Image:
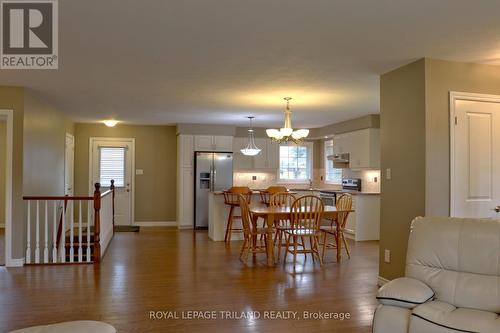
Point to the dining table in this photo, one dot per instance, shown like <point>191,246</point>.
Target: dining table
<point>271,214</point>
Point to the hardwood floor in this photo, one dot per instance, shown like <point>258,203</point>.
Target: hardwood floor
<point>161,269</point>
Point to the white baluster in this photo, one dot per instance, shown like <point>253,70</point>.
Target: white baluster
<point>46,245</point>
<point>80,254</point>
<point>28,235</point>
<point>88,230</point>
<point>71,232</point>
<point>63,233</point>
<point>54,234</point>
<point>37,243</point>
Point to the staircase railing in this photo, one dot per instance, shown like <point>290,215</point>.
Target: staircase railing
<point>69,229</point>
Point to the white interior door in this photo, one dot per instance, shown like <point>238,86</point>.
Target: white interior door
<point>69,164</point>
<point>476,159</point>
<point>113,159</point>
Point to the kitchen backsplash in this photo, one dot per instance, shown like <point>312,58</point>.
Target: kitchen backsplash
<point>259,179</point>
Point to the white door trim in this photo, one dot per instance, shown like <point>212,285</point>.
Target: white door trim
<point>9,261</point>
<point>464,96</point>
<point>132,175</point>
<point>65,147</point>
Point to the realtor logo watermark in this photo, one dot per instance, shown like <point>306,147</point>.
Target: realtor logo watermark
<point>29,34</point>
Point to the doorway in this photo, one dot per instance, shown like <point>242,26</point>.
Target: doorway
<point>69,162</point>
<point>114,158</point>
<point>3,168</point>
<point>475,155</point>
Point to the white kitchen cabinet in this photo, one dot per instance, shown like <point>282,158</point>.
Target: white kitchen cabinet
<point>273,154</point>
<point>223,143</point>
<point>185,199</point>
<point>363,147</point>
<point>240,161</point>
<point>260,160</point>
<point>213,143</point>
<point>364,223</point>
<point>185,151</point>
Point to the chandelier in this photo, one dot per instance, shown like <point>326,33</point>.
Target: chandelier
<point>251,149</point>
<point>287,133</point>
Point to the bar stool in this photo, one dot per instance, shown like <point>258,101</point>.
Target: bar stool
<point>231,198</point>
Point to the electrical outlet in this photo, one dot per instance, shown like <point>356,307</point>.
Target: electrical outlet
<point>375,179</point>
<point>387,256</point>
<point>388,174</point>
<point>254,177</point>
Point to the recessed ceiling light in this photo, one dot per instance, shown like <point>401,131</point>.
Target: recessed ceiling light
<point>110,123</point>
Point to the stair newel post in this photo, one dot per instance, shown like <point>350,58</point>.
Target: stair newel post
<point>97,222</point>
<point>112,188</point>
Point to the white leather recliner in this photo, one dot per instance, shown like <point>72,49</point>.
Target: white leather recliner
<point>452,281</point>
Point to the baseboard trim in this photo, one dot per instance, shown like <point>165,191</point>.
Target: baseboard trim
<point>381,281</point>
<point>14,262</point>
<point>185,227</point>
<point>156,224</point>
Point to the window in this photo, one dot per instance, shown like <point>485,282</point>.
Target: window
<point>332,175</point>
<point>295,162</point>
<point>112,166</point>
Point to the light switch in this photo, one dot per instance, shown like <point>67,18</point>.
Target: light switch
<point>387,256</point>
<point>139,171</point>
<point>388,174</point>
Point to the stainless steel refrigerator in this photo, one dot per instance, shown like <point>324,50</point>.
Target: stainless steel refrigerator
<point>213,172</point>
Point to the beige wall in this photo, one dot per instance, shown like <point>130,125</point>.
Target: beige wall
<point>441,78</point>
<point>44,141</point>
<point>155,153</point>
<point>12,98</point>
<point>402,134</point>
<point>3,146</point>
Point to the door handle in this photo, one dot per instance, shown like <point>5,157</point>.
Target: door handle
<point>497,209</point>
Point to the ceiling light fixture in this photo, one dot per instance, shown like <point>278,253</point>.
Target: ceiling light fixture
<point>110,123</point>
<point>251,149</point>
<point>287,133</point>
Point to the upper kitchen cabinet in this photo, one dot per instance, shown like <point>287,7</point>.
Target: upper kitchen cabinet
<point>213,143</point>
<point>268,158</point>
<point>363,147</point>
<point>185,151</point>
<point>240,161</point>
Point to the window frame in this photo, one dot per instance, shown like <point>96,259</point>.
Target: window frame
<point>310,157</point>
<point>125,151</point>
<point>326,163</point>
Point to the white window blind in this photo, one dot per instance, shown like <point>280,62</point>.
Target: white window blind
<point>332,175</point>
<point>295,162</point>
<point>112,166</point>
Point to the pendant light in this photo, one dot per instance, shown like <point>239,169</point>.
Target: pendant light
<point>287,133</point>
<point>251,149</point>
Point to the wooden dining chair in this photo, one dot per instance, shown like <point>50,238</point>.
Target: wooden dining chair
<point>250,231</point>
<point>305,216</point>
<point>281,199</point>
<point>231,198</point>
<point>265,195</point>
<point>337,228</point>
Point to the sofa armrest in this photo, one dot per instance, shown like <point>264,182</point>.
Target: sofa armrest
<point>405,293</point>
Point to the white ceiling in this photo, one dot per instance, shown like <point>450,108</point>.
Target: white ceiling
<point>217,61</point>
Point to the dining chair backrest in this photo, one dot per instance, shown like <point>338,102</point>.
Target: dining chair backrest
<point>246,216</point>
<point>306,213</point>
<point>282,199</point>
<point>344,204</point>
<point>231,196</point>
<point>265,195</point>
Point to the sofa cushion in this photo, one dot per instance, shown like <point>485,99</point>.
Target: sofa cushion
<point>459,259</point>
<point>81,326</point>
<point>391,319</point>
<point>404,292</point>
<point>448,318</point>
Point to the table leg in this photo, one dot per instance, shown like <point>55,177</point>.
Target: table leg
<point>338,240</point>
<point>269,240</point>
